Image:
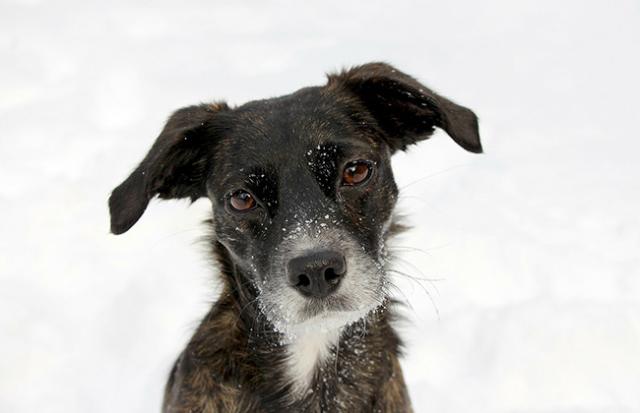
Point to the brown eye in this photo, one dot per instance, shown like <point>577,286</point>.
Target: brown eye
<point>242,201</point>
<point>356,172</point>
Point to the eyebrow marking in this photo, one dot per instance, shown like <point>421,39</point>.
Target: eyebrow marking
<point>263,182</point>
<point>322,162</point>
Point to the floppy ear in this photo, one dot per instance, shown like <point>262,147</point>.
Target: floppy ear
<point>175,166</point>
<point>406,110</point>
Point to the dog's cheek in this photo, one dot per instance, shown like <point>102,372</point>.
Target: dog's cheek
<point>388,198</point>
<point>252,242</point>
<point>233,234</point>
<point>369,213</point>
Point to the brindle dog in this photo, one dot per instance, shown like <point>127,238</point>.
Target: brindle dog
<point>302,194</point>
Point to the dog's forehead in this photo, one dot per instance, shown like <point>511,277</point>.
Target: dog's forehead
<point>289,125</point>
<point>299,138</point>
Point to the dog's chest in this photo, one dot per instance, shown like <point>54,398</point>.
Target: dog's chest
<point>305,353</point>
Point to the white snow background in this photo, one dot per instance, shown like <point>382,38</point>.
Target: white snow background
<point>534,244</point>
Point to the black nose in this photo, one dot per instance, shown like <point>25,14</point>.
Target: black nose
<point>317,274</point>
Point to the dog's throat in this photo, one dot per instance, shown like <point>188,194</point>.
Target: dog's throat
<point>305,353</point>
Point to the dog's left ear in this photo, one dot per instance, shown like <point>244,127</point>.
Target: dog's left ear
<point>175,166</point>
<point>406,110</point>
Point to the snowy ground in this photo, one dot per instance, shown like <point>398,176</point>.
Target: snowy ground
<point>535,244</point>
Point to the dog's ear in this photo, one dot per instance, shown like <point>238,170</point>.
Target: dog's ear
<point>175,166</point>
<point>406,110</point>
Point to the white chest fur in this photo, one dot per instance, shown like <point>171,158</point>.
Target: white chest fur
<point>307,351</point>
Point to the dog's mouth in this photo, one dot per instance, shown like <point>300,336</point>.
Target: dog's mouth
<point>332,316</point>
<point>335,311</point>
<point>293,313</point>
<point>319,307</point>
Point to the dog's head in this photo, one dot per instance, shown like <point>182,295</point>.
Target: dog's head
<point>301,185</point>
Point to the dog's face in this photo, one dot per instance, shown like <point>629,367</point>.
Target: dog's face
<point>302,197</point>
<point>301,186</point>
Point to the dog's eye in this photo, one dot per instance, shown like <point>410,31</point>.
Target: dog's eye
<point>242,201</point>
<point>356,172</point>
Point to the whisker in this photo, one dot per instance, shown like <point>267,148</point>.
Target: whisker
<point>406,299</point>
<point>432,175</point>
<point>406,248</point>
<point>433,303</point>
<point>247,305</point>
<point>411,266</point>
<point>403,196</point>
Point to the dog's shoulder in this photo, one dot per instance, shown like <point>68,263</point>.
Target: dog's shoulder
<point>205,377</point>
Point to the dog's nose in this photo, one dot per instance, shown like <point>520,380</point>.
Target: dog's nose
<point>317,274</point>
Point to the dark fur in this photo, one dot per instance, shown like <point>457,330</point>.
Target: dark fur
<point>235,362</point>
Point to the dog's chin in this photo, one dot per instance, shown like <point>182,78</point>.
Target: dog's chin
<point>326,318</point>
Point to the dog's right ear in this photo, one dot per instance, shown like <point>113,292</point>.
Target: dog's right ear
<point>175,166</point>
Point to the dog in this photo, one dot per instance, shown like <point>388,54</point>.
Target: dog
<point>303,195</point>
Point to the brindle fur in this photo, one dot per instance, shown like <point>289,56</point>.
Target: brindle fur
<point>237,360</point>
